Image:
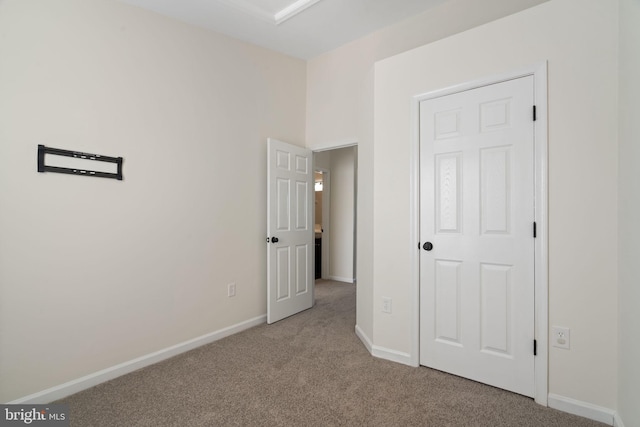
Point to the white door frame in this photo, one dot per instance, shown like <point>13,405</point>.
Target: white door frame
<point>539,73</point>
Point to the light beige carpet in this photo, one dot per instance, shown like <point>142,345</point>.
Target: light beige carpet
<point>307,370</point>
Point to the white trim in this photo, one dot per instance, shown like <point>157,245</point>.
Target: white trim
<point>582,409</point>
<point>364,338</point>
<point>91,380</point>
<point>335,145</point>
<point>539,73</point>
<point>392,355</point>
<point>541,361</point>
<point>414,229</point>
<point>355,214</point>
<point>340,279</point>
<point>486,81</point>
<point>617,421</point>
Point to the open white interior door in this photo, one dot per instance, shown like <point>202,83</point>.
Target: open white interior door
<point>290,236</point>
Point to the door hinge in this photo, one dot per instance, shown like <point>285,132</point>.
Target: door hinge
<point>535,347</point>
<point>535,230</point>
<point>534,113</point>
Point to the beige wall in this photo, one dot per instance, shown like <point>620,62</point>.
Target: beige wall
<point>629,226</point>
<point>318,197</point>
<point>340,102</point>
<point>339,86</point>
<point>342,214</point>
<point>96,272</point>
<point>140,265</point>
<point>318,209</point>
<point>583,160</point>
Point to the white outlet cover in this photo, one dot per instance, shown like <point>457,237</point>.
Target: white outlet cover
<point>386,305</point>
<point>561,337</point>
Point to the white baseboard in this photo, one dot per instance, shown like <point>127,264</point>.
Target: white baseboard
<point>381,352</point>
<point>617,421</point>
<point>340,279</point>
<point>583,409</point>
<point>392,355</point>
<point>91,380</point>
<point>364,338</point>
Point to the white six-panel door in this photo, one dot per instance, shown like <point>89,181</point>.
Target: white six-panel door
<point>290,269</point>
<point>477,215</point>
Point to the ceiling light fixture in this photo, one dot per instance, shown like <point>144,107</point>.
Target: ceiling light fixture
<point>258,9</point>
<point>292,10</point>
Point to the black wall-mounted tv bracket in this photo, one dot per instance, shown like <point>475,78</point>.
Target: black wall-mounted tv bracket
<point>42,150</point>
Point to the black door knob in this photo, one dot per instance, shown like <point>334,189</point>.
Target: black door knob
<point>274,240</point>
<point>427,246</point>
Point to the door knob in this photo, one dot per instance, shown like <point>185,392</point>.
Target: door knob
<point>274,240</point>
<point>427,246</point>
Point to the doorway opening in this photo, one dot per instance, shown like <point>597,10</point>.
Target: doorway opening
<point>322,217</point>
<point>335,186</point>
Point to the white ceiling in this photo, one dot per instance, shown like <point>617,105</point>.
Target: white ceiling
<point>300,28</point>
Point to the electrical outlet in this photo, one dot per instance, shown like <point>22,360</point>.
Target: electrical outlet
<point>231,290</point>
<point>561,337</point>
<point>386,305</point>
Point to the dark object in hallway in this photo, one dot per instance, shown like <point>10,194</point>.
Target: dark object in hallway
<point>318,258</point>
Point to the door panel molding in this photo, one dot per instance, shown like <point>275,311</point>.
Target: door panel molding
<point>289,230</point>
<point>539,73</point>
